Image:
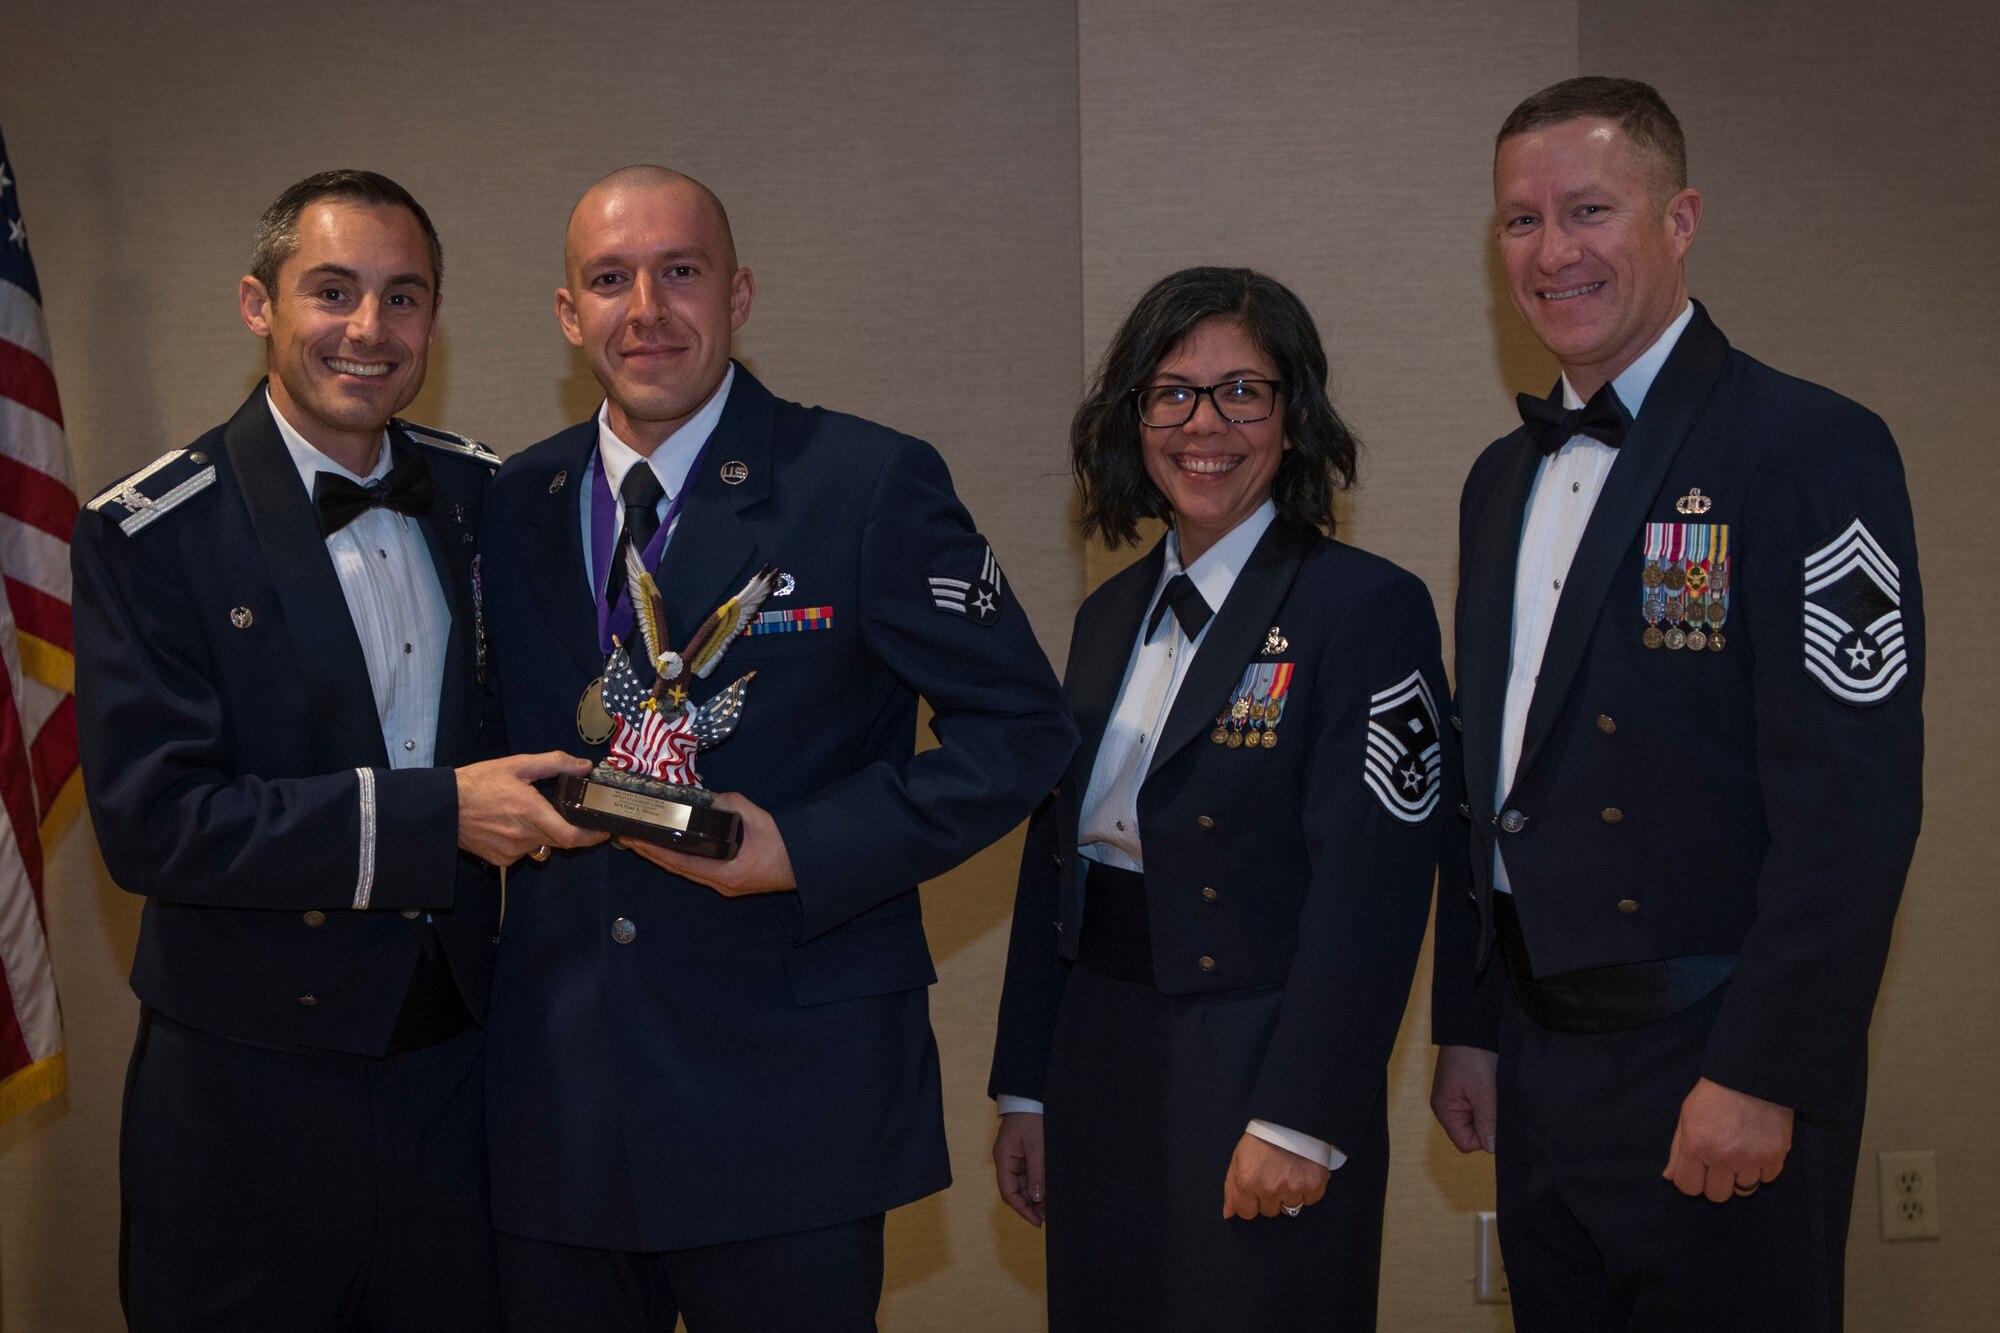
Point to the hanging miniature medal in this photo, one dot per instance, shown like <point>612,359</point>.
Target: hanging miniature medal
<point>1718,586</point>
<point>1697,585</point>
<point>1274,707</point>
<point>1652,597</point>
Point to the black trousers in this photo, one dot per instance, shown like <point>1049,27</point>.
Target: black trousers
<point>1146,1100</point>
<point>1595,1239</point>
<point>824,1281</point>
<point>306,1191</point>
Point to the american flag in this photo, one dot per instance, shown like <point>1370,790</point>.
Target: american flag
<point>40,785</point>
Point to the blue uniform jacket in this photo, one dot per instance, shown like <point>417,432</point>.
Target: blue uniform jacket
<point>761,1065</point>
<point>1281,867</point>
<point>224,710</point>
<point>1762,800</point>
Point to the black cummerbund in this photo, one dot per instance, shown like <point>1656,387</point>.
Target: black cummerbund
<point>1117,939</point>
<point>1603,999</point>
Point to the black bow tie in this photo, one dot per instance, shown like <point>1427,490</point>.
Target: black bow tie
<point>406,489</point>
<point>1187,603</point>
<point>1552,426</point>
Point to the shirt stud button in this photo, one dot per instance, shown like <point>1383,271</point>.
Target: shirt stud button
<point>406,648</point>
<point>409,745</point>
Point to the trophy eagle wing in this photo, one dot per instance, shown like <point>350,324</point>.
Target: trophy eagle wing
<point>712,640</point>
<point>649,613</point>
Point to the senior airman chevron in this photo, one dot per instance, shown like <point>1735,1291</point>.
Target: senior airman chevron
<point>978,598</point>
<point>1854,618</point>
<point>1404,761</point>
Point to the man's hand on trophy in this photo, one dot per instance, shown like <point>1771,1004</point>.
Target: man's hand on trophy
<point>501,817</point>
<point>761,866</point>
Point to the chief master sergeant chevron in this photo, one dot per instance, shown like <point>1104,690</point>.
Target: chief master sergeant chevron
<point>278,654</point>
<point>709,1079</point>
<point>1690,671</point>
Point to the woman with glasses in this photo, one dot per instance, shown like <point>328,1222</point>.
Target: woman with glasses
<point>1220,908</point>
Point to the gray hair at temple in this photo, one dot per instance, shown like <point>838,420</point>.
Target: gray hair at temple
<point>1637,108</point>
<point>278,229</point>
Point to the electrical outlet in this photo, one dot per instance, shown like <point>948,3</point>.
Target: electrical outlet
<point>1909,1195</point>
<point>1489,1275</point>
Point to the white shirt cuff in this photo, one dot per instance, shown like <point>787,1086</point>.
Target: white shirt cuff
<point>1010,1105</point>
<point>1305,1145</point>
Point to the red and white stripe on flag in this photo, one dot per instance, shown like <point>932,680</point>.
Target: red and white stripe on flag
<point>41,786</point>
<point>661,747</point>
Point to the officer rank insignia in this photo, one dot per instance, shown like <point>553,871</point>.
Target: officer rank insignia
<point>1404,762</point>
<point>978,599</point>
<point>1684,592</point>
<point>1250,722</point>
<point>154,490</point>
<point>1854,618</point>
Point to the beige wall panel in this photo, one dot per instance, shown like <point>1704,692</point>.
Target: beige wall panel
<point>1850,162</point>
<point>903,181</point>
<point>1346,150</point>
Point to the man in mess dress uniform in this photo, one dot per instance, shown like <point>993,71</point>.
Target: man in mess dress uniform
<point>710,1078</point>
<point>1690,673</point>
<point>278,662</point>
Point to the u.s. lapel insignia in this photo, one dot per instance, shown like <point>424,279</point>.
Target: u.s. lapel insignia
<point>1694,502</point>
<point>558,481</point>
<point>1854,618</point>
<point>1404,762</point>
<point>1275,642</point>
<point>786,586</point>
<point>978,599</point>
<point>735,472</point>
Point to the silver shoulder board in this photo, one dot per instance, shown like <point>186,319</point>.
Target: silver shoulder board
<point>450,443</point>
<point>154,490</point>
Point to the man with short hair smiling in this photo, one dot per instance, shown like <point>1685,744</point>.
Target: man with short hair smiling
<point>709,1079</point>
<point>1690,671</point>
<point>278,655</point>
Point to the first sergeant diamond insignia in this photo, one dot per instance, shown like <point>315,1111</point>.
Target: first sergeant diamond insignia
<point>978,599</point>
<point>1854,618</point>
<point>1404,762</point>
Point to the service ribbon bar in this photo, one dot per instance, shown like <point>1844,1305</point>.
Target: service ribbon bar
<point>792,621</point>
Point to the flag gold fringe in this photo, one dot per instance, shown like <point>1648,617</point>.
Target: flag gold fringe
<point>62,813</point>
<point>43,661</point>
<point>25,1089</point>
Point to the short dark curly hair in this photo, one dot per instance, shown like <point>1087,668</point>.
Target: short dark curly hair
<point>1105,453</point>
<point>278,230</point>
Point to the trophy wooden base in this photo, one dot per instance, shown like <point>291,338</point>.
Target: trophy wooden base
<point>663,817</point>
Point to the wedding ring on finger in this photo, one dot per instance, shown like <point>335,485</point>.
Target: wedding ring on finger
<point>1743,1193</point>
<point>540,853</point>
<point>1292,1209</point>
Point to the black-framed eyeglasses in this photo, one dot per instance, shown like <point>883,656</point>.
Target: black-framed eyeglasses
<point>1238,402</point>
